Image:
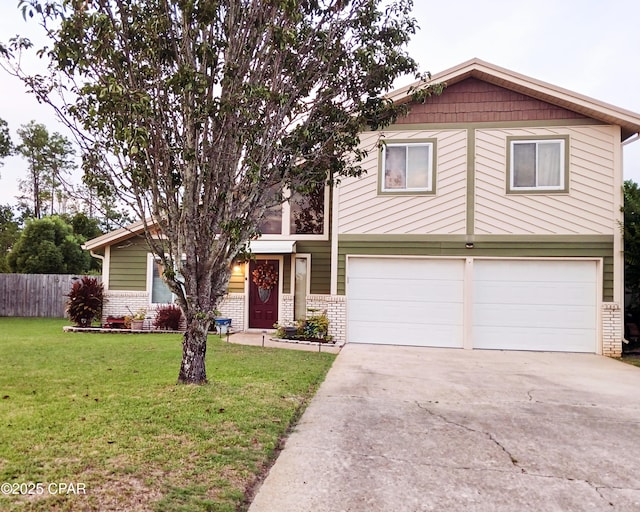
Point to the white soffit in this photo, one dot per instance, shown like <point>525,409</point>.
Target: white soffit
<point>272,246</point>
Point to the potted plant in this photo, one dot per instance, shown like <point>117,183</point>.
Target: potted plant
<point>137,319</point>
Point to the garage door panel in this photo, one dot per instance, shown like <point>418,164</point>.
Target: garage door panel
<point>402,268</point>
<point>518,270</point>
<point>544,339</point>
<point>438,290</point>
<point>448,336</point>
<point>419,313</point>
<point>534,293</point>
<point>516,315</point>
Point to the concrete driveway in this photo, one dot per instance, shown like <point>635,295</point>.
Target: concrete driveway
<point>418,429</point>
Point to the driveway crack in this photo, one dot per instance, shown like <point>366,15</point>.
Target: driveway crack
<point>488,435</point>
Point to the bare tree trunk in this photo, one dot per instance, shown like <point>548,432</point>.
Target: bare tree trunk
<point>194,350</point>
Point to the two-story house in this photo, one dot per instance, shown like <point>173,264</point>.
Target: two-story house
<point>489,217</point>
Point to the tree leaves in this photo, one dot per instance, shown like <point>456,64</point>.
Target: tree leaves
<point>195,111</point>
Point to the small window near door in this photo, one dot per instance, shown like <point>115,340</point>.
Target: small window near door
<point>160,292</point>
<point>300,287</point>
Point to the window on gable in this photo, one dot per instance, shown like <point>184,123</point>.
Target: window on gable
<point>407,167</point>
<point>271,223</point>
<point>307,212</point>
<point>537,165</point>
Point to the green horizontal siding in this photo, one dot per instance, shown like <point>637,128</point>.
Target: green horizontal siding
<point>128,266</point>
<point>320,264</point>
<point>286,273</point>
<point>574,246</point>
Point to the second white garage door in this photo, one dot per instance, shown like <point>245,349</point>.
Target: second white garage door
<point>535,305</point>
<point>548,305</point>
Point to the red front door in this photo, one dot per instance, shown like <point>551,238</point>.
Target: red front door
<point>263,293</point>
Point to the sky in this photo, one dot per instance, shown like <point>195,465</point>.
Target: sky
<point>591,47</point>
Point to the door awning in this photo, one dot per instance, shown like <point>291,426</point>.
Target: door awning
<point>272,246</point>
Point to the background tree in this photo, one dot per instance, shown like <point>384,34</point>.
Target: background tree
<point>49,246</point>
<point>9,232</point>
<point>195,111</point>
<point>6,146</point>
<point>49,157</point>
<point>631,231</point>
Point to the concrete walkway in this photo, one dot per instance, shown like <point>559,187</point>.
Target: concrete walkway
<point>415,429</point>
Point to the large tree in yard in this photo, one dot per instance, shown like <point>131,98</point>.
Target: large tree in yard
<point>202,114</point>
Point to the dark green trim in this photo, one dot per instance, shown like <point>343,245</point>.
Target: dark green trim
<point>506,124</point>
<point>471,181</point>
<point>434,149</point>
<point>477,238</point>
<point>536,138</point>
<point>503,246</point>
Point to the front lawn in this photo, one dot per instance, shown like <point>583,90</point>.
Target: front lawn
<point>633,359</point>
<point>102,412</point>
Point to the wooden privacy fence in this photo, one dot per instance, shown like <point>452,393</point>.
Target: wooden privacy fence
<point>41,295</point>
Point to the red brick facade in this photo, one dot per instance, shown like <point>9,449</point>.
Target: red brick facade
<point>475,101</point>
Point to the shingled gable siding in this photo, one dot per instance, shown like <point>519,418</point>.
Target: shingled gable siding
<point>492,246</point>
<point>475,101</point>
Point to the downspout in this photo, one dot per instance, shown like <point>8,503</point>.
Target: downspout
<point>98,256</point>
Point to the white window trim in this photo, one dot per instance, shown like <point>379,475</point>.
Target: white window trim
<point>553,188</point>
<point>152,259</point>
<point>428,189</point>
<point>300,256</point>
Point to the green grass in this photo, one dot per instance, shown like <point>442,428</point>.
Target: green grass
<point>633,359</point>
<point>104,410</point>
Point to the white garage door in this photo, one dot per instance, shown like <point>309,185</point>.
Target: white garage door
<point>405,301</point>
<point>548,305</point>
<point>535,305</point>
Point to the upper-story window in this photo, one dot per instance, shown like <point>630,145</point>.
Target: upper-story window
<point>272,221</point>
<point>537,165</point>
<point>407,167</point>
<point>299,215</point>
<point>307,212</point>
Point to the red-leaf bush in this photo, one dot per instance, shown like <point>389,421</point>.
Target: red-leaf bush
<point>85,300</point>
<point>168,318</point>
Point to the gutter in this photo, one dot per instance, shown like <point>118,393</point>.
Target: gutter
<point>634,138</point>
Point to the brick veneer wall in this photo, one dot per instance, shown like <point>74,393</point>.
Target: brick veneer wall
<point>232,306</point>
<point>612,329</point>
<point>287,309</point>
<point>334,305</point>
<point>336,308</point>
<point>122,303</point>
